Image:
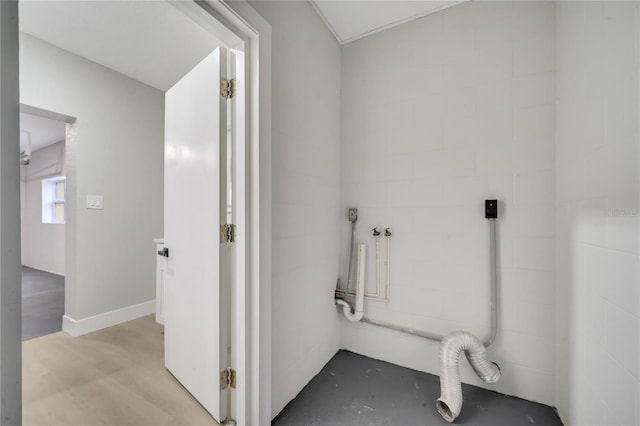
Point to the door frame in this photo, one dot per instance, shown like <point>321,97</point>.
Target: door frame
<point>253,396</point>
<point>254,405</point>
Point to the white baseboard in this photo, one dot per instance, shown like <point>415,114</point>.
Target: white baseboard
<point>82,326</point>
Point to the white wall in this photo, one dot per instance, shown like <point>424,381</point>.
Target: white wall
<point>306,178</point>
<point>438,115</point>
<point>598,283</point>
<point>42,243</point>
<point>116,151</point>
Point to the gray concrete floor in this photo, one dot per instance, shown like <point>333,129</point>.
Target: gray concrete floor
<point>355,390</point>
<point>42,303</point>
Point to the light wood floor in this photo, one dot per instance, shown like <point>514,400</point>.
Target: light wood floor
<point>114,376</point>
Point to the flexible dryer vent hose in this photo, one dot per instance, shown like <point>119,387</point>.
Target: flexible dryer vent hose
<point>450,402</point>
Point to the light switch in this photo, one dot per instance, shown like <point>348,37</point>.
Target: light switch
<point>94,202</point>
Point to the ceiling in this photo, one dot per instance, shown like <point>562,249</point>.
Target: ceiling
<point>350,20</point>
<point>43,131</point>
<point>156,43</point>
<point>150,41</point>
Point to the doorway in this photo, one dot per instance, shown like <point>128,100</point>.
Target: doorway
<point>255,294</point>
<point>115,83</point>
<point>43,220</point>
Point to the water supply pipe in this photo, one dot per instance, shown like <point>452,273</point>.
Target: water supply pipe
<point>387,235</point>
<point>345,293</point>
<point>376,235</point>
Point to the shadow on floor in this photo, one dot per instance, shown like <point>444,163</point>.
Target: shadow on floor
<point>355,390</point>
<point>42,303</point>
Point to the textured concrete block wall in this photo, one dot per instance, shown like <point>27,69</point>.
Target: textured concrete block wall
<point>438,115</point>
<point>598,170</point>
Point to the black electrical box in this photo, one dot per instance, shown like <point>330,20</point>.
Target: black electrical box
<point>490,209</point>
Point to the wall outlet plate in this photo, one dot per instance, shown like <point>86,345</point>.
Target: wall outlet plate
<point>94,202</point>
<point>353,215</point>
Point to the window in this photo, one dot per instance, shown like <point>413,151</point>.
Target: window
<point>53,198</point>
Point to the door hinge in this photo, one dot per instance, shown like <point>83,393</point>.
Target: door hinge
<point>228,378</point>
<point>227,87</point>
<point>227,233</point>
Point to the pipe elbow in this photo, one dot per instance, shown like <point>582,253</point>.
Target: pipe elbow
<point>355,317</point>
<point>348,312</point>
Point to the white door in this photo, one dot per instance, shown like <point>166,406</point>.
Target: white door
<point>196,318</point>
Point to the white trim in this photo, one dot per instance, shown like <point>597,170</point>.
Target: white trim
<point>253,392</point>
<point>258,290</point>
<point>326,21</point>
<point>384,27</point>
<point>83,326</point>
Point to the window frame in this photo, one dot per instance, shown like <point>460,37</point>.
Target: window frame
<point>50,200</point>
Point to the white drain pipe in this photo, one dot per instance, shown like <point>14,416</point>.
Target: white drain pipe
<point>358,313</point>
<point>450,402</point>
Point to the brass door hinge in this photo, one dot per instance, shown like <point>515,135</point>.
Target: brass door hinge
<point>227,87</point>
<point>228,378</point>
<point>227,233</point>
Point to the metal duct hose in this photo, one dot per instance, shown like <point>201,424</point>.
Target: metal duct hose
<point>450,402</point>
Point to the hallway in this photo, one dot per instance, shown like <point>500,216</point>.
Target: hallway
<point>42,303</point>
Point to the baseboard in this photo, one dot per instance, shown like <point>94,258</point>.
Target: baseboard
<point>79,327</point>
<point>46,270</point>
